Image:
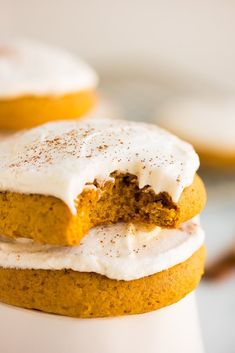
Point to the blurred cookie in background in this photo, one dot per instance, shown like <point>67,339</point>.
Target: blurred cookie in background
<point>39,83</point>
<point>207,123</point>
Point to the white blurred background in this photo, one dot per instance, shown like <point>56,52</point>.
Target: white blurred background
<point>146,51</point>
<point>177,36</point>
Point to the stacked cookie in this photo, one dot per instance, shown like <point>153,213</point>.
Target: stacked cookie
<point>39,83</point>
<point>99,218</point>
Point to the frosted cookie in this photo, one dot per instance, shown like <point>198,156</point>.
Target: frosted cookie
<point>116,270</point>
<point>60,179</point>
<point>208,124</point>
<point>39,83</point>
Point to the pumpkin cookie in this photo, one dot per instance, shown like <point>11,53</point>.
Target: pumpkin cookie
<point>40,83</point>
<point>208,124</point>
<point>60,179</point>
<point>116,270</point>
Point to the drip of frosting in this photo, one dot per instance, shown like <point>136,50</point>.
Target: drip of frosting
<point>209,124</point>
<point>120,251</point>
<point>31,68</point>
<point>59,159</point>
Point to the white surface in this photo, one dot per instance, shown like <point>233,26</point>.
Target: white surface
<point>60,159</point>
<point>119,251</point>
<point>32,68</point>
<point>216,311</point>
<point>169,330</point>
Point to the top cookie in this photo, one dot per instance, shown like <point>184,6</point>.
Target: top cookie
<point>60,179</point>
<point>41,83</point>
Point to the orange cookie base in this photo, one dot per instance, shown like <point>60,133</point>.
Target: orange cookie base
<point>48,220</point>
<point>87,295</point>
<point>29,111</point>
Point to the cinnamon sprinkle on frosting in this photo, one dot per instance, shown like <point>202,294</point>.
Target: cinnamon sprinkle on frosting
<point>60,159</point>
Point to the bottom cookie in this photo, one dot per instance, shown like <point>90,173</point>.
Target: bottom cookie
<point>86,295</point>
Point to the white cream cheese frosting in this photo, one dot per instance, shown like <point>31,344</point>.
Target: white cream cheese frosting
<point>209,124</point>
<point>59,159</point>
<point>120,251</point>
<point>31,68</point>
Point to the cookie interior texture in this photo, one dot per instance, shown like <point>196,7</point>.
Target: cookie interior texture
<point>26,112</point>
<point>87,295</point>
<point>48,220</point>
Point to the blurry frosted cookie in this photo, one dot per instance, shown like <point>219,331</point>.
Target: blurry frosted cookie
<point>208,124</point>
<point>60,179</point>
<point>39,83</point>
<point>117,270</point>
